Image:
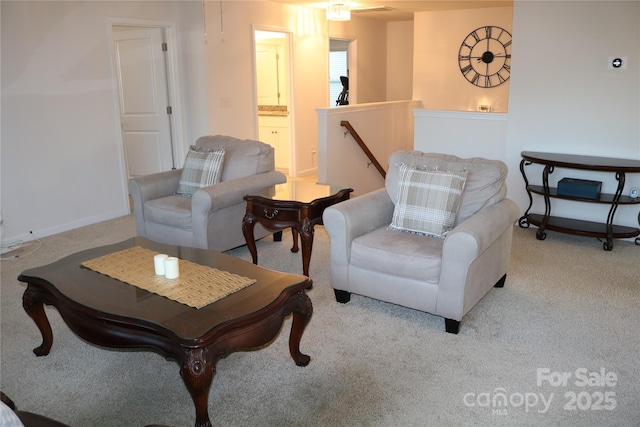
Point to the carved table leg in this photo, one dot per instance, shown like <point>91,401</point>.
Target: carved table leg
<point>608,245</point>
<point>197,371</point>
<point>541,234</point>
<point>35,309</point>
<point>248,223</point>
<point>294,233</point>
<point>302,311</point>
<point>523,222</point>
<point>306,238</point>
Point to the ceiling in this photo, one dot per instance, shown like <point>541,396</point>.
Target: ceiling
<point>400,10</point>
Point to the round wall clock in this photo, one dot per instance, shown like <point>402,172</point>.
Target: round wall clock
<point>485,56</point>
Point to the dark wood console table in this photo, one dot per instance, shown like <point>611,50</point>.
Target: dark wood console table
<point>546,221</point>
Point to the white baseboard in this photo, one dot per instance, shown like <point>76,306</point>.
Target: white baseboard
<point>44,232</point>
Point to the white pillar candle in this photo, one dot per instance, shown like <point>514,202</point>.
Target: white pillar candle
<point>158,263</point>
<point>171,268</point>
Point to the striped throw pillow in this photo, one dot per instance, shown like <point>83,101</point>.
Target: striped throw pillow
<point>428,201</point>
<point>201,169</point>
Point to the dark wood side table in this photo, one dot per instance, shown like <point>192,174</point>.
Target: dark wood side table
<point>295,204</point>
<point>606,230</point>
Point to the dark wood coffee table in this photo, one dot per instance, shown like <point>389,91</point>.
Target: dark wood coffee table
<point>295,204</point>
<point>114,314</point>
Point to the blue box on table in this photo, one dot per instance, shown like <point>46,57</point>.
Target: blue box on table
<point>580,188</point>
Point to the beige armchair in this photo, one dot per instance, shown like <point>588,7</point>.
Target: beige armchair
<point>211,216</point>
<point>445,275</point>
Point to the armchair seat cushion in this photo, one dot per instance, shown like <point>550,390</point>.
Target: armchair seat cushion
<point>397,253</point>
<point>174,211</point>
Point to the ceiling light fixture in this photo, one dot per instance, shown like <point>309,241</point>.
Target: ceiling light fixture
<point>338,12</point>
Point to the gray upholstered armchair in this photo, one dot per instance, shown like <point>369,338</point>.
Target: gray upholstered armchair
<point>209,217</point>
<point>445,275</point>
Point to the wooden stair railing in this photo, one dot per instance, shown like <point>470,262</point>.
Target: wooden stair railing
<point>363,146</point>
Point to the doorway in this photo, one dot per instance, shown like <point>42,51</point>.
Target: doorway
<point>145,91</point>
<point>272,65</point>
<point>342,63</point>
<point>338,70</point>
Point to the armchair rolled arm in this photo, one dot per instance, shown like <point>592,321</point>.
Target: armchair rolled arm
<point>154,186</point>
<point>470,238</point>
<point>149,187</point>
<point>355,217</point>
<point>482,244</point>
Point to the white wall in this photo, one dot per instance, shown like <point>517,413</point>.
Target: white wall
<point>385,127</point>
<point>61,151</point>
<point>461,133</point>
<point>562,95</point>
<point>565,99</point>
<point>437,79</point>
<point>370,76</point>
<point>399,60</point>
<point>230,65</point>
<point>62,163</point>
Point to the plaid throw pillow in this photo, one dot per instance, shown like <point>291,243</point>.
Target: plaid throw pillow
<point>201,169</point>
<point>427,201</point>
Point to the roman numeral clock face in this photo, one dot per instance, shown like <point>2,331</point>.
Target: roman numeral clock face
<point>485,56</point>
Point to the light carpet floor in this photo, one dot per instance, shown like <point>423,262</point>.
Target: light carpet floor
<point>567,307</point>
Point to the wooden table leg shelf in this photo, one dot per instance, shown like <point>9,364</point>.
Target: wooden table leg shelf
<point>602,230</point>
<point>578,227</point>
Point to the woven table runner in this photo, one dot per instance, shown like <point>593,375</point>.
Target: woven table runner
<point>197,285</point>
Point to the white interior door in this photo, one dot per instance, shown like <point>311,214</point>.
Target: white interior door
<point>143,100</point>
<point>268,78</point>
